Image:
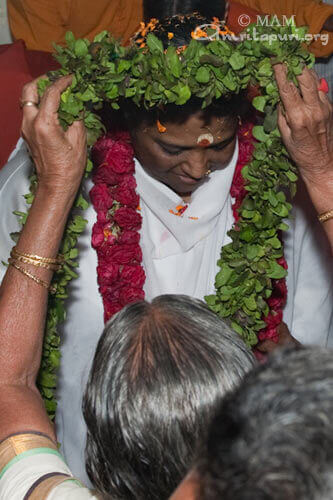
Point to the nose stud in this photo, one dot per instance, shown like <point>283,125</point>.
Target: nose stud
<point>207,174</point>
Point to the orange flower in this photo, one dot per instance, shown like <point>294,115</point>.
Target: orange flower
<point>226,31</point>
<point>198,33</point>
<point>170,36</point>
<point>142,46</point>
<point>161,128</point>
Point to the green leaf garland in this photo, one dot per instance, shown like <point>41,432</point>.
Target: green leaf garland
<point>153,76</point>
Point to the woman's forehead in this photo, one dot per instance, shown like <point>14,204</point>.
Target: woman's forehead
<point>189,132</point>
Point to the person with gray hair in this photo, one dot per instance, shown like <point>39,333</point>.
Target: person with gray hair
<point>272,438</point>
<point>159,373</point>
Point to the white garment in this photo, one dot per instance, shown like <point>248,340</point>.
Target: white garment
<point>24,471</point>
<point>179,256</point>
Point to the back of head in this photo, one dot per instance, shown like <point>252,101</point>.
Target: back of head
<point>162,9</point>
<point>159,372</point>
<point>273,437</point>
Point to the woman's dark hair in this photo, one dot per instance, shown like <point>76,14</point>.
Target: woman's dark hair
<point>160,9</point>
<point>180,18</point>
<point>159,372</point>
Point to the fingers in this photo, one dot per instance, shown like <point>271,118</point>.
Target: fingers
<point>290,96</point>
<point>308,84</point>
<point>50,101</point>
<point>30,93</point>
<point>283,125</point>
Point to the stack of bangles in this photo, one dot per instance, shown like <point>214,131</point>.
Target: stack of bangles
<point>325,216</point>
<point>17,257</point>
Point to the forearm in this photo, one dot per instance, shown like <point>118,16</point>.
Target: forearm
<point>22,301</point>
<point>321,193</point>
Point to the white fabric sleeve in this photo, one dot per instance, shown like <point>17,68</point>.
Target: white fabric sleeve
<point>14,183</point>
<point>309,312</point>
<point>21,474</point>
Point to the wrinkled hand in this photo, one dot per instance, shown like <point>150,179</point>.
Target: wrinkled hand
<point>306,124</point>
<point>60,157</point>
<point>285,338</point>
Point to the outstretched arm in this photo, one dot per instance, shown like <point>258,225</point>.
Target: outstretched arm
<point>60,159</point>
<point>306,126</point>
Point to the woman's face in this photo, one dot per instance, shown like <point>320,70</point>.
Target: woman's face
<point>175,157</point>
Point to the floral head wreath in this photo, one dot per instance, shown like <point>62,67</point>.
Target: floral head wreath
<point>154,74</point>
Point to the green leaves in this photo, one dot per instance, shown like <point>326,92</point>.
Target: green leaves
<point>237,61</point>
<point>152,77</point>
<point>202,75</point>
<point>155,45</point>
<point>173,61</point>
<point>276,271</point>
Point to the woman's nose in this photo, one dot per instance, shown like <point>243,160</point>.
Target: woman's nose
<point>196,165</point>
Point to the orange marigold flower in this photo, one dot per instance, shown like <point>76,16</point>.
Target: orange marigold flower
<point>161,128</point>
<point>170,35</point>
<point>142,46</point>
<point>198,33</point>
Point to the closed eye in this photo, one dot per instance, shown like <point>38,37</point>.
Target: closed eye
<point>173,152</point>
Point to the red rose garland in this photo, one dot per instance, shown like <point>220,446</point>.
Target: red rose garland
<point>116,237</point>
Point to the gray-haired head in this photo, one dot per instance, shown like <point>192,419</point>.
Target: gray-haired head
<point>159,373</point>
<point>273,437</point>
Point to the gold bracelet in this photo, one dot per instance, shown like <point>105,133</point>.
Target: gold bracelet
<point>28,260</point>
<point>46,260</point>
<point>325,216</point>
<point>39,281</point>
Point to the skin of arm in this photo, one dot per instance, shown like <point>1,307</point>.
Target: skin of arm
<point>306,127</point>
<point>318,16</point>
<point>60,159</point>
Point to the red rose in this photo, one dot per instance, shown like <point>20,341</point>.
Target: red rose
<point>245,152</point>
<point>128,218</point>
<point>122,254</point>
<point>97,235</point>
<point>100,149</point>
<point>269,333</point>
<point>273,319</point>
<point>120,158</point>
<point>101,234</point>
<point>107,274</point>
<point>282,261</point>
<point>129,237</point>
<point>105,174</point>
<point>133,275</point>
<point>125,193</point>
<point>129,294</point>
<point>110,309</point>
<point>102,217</point>
<point>101,197</point>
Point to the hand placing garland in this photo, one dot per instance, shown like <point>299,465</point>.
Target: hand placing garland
<point>250,286</point>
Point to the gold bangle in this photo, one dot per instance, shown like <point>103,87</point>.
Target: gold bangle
<point>39,281</point>
<point>325,216</point>
<point>46,260</point>
<point>28,260</point>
